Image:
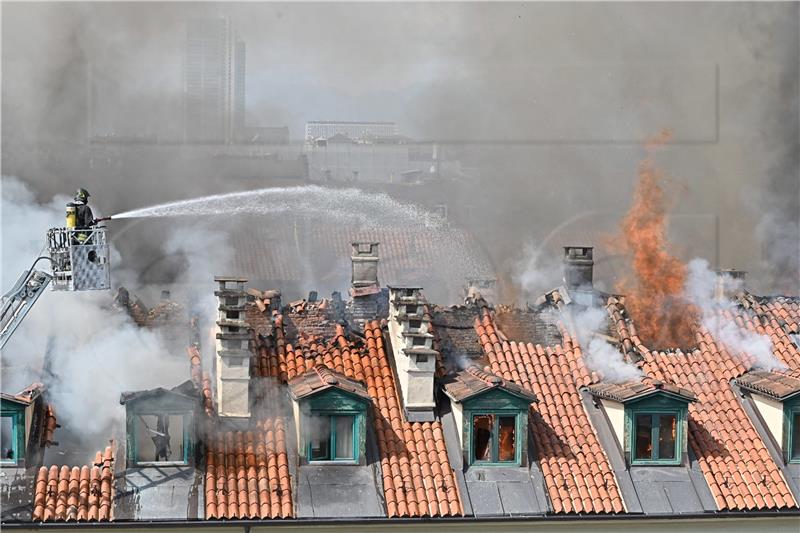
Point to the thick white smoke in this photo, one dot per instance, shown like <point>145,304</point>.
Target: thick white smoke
<point>600,355</point>
<point>699,290</point>
<point>84,351</point>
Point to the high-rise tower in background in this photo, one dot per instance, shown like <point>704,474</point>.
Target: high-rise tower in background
<point>214,81</point>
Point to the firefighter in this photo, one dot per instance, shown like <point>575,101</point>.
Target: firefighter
<point>84,218</point>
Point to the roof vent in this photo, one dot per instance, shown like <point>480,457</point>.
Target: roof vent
<point>578,267</point>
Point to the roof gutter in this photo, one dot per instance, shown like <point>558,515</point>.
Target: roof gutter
<point>470,520</point>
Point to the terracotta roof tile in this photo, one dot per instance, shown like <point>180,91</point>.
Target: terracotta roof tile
<point>557,419</point>
<point>76,494</point>
<point>418,479</point>
<point>50,425</point>
<point>321,378</point>
<point>721,435</point>
<point>779,385</point>
<point>247,475</point>
<point>473,381</point>
<point>634,390</point>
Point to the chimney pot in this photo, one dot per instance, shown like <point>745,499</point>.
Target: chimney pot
<point>578,267</point>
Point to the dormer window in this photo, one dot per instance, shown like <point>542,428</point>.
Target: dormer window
<point>331,437</point>
<point>160,424</point>
<point>776,398</point>
<point>494,438</point>
<point>649,418</point>
<point>330,415</point>
<point>656,436</point>
<point>792,421</point>
<point>161,437</point>
<point>10,432</point>
<point>493,417</point>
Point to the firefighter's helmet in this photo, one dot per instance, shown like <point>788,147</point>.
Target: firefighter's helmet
<point>82,195</point>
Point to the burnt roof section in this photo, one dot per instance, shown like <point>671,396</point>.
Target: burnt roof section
<point>777,385</point>
<point>473,381</point>
<point>455,327</point>
<point>26,396</point>
<point>636,390</point>
<point>322,378</point>
<point>185,390</point>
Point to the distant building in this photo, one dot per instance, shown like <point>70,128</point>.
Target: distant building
<point>214,81</point>
<point>354,130</point>
<point>339,158</point>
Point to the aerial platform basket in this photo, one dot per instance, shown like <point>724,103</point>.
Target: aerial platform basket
<point>80,259</point>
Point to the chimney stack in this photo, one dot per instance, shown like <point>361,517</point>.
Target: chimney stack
<point>366,303</point>
<point>729,283</point>
<point>578,267</point>
<point>233,349</point>
<point>365,265</point>
<point>412,346</point>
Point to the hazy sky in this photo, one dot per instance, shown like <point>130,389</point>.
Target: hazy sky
<point>563,93</point>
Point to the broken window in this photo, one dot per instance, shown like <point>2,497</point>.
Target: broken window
<point>655,438</point>
<point>331,438</point>
<point>161,438</point>
<point>8,439</point>
<point>494,438</point>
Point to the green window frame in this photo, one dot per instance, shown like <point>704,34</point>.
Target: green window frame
<point>494,444</point>
<point>655,424</point>
<point>329,421</point>
<point>137,424</point>
<point>17,439</point>
<point>791,430</point>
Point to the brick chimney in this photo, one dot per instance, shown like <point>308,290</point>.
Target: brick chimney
<point>233,349</point>
<point>367,301</point>
<point>729,283</point>
<point>578,267</point>
<point>412,346</point>
<point>485,287</point>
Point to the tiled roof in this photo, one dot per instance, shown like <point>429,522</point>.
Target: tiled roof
<point>201,380</point>
<point>26,396</point>
<point>407,254</point>
<point>779,385</point>
<point>736,464</point>
<point>50,425</point>
<point>322,378</point>
<point>418,480</point>
<point>576,471</point>
<point>76,494</point>
<point>473,381</point>
<point>634,390</point>
<point>247,473</point>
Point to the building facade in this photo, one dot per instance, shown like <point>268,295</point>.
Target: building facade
<point>214,77</point>
<point>354,130</point>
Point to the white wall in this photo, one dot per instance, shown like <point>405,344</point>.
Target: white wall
<point>772,413</point>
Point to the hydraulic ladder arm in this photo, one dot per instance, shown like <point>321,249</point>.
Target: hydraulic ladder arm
<point>20,299</point>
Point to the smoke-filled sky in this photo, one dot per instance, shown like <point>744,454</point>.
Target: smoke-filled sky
<point>549,101</point>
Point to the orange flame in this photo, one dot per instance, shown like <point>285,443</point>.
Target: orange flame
<point>653,295</point>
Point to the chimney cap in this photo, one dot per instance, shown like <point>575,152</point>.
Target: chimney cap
<point>579,252</point>
<point>734,273</point>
